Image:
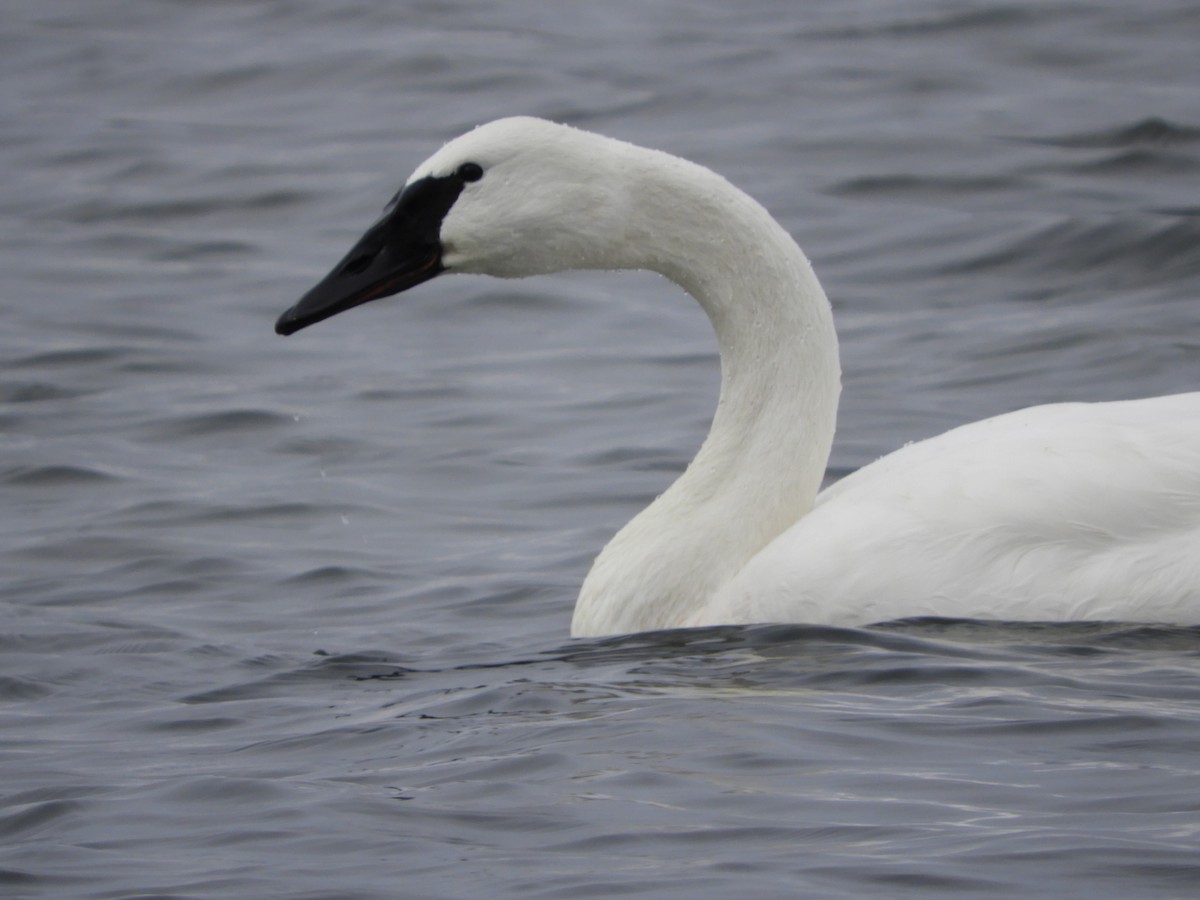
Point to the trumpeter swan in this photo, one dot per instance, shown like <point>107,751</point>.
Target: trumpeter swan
<point>1070,511</point>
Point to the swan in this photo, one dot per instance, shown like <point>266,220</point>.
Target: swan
<point>1074,511</point>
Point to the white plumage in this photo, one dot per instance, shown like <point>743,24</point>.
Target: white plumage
<point>1072,511</point>
<point>1063,512</point>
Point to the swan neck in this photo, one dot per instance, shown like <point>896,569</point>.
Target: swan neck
<point>762,463</point>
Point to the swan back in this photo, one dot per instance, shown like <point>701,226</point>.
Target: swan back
<point>1073,511</point>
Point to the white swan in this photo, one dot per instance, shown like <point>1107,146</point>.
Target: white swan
<point>1071,511</point>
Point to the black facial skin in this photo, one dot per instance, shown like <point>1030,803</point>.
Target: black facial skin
<point>400,251</point>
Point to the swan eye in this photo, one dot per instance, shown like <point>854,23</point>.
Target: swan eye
<point>470,171</point>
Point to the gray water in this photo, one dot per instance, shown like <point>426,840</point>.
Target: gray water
<point>288,618</point>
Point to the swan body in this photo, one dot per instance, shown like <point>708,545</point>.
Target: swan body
<point>1061,512</point>
<point>1071,511</point>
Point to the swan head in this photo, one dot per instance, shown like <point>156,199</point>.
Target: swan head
<point>513,198</point>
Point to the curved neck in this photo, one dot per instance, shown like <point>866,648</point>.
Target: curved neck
<point>761,465</point>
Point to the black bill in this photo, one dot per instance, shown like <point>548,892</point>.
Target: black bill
<point>398,252</point>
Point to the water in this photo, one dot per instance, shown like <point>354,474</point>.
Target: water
<point>288,618</point>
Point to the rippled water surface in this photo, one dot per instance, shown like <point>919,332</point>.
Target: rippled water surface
<point>288,618</point>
